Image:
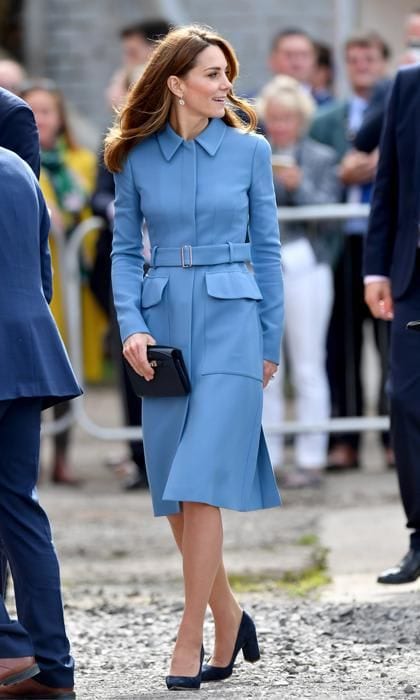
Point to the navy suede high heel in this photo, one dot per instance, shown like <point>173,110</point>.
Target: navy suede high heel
<point>247,641</point>
<point>186,682</point>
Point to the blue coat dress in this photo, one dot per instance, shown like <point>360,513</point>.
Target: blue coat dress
<point>33,360</point>
<point>211,191</point>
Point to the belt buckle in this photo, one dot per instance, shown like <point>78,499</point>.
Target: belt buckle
<point>186,256</point>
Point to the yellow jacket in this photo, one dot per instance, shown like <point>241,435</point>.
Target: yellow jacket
<point>83,163</point>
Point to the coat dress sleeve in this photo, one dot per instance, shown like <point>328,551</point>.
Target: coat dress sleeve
<point>265,250</point>
<point>127,254</point>
<point>383,215</point>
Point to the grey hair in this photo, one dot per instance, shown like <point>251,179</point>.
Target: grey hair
<point>288,93</point>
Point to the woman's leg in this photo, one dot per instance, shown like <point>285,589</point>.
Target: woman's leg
<point>201,556</point>
<point>225,608</point>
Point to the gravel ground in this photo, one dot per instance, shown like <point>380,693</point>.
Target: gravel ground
<point>123,641</point>
<point>123,591</point>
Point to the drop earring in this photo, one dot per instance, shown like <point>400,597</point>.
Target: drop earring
<point>181,100</point>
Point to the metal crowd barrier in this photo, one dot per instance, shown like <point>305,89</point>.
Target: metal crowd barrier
<point>69,257</point>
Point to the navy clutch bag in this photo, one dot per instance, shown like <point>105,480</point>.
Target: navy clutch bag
<point>171,376</point>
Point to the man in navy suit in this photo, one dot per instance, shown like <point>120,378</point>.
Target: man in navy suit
<point>392,292</point>
<point>18,133</point>
<point>35,373</point>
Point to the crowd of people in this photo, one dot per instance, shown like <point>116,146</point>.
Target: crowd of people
<point>195,202</point>
<point>325,150</point>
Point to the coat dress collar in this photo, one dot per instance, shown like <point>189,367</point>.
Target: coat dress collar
<point>210,138</point>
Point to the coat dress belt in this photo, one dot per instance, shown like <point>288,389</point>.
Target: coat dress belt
<point>190,256</point>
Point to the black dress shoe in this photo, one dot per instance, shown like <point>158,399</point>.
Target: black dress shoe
<point>245,640</point>
<point>186,682</point>
<point>408,569</point>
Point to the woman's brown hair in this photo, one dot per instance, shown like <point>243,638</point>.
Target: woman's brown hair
<point>149,101</point>
<point>48,86</point>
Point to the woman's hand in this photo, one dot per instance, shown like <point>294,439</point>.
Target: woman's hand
<point>270,368</point>
<point>135,352</point>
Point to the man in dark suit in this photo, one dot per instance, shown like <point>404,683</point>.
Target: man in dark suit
<point>34,373</point>
<point>18,133</point>
<point>392,291</point>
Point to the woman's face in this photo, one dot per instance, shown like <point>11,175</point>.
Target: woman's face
<point>283,125</point>
<point>47,116</point>
<point>205,87</point>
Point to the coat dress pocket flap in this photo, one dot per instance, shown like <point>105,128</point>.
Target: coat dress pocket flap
<point>232,285</point>
<point>152,292</point>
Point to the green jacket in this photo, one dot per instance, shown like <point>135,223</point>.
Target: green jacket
<point>330,127</point>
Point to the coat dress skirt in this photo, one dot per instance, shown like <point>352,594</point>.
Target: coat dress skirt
<point>203,196</point>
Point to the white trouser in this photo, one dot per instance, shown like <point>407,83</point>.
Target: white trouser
<point>308,294</point>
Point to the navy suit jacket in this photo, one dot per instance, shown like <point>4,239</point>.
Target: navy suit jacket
<point>33,360</point>
<point>18,131</point>
<point>392,238</point>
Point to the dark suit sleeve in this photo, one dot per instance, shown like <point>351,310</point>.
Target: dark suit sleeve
<point>45,225</point>
<point>369,134</point>
<point>22,136</point>
<point>383,216</point>
<point>104,192</point>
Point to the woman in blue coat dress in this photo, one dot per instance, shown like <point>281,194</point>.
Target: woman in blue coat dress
<point>201,179</point>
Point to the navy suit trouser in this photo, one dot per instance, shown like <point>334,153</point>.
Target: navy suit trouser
<point>26,536</point>
<point>405,402</point>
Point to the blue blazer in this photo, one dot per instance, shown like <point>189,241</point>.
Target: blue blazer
<point>18,131</point>
<point>33,361</point>
<point>393,231</point>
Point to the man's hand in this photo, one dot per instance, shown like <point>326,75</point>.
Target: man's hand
<point>135,352</point>
<point>357,168</point>
<point>379,300</point>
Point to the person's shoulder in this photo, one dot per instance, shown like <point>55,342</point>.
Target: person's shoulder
<point>247,139</point>
<point>330,112</point>
<point>13,169</point>
<point>9,101</point>
<point>408,75</point>
<point>142,148</point>
<point>13,161</point>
